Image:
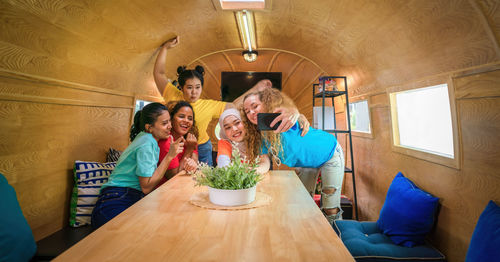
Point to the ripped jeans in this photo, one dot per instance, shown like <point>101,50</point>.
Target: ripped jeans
<point>332,175</point>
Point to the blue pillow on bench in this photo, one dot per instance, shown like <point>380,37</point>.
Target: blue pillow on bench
<point>16,239</point>
<point>485,241</point>
<point>408,213</point>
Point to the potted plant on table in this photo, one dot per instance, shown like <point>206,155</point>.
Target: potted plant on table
<point>232,185</point>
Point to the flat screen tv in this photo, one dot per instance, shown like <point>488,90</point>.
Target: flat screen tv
<point>234,84</point>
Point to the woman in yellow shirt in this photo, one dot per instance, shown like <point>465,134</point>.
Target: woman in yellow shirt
<point>191,83</point>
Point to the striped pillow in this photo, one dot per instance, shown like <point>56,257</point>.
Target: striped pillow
<point>113,155</point>
<point>88,177</point>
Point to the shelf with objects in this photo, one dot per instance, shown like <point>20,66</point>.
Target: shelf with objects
<point>326,89</point>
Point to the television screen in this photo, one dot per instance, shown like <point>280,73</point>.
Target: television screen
<point>234,84</point>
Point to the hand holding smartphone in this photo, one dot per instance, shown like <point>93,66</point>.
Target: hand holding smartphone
<point>264,121</point>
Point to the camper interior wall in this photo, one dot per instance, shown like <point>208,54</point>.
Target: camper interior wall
<point>70,70</point>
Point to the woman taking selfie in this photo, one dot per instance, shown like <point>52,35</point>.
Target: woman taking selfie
<point>316,149</point>
<point>136,172</point>
<point>191,86</point>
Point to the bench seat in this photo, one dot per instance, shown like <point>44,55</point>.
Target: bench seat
<point>55,244</point>
<point>367,243</point>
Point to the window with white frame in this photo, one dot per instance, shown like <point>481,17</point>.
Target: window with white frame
<point>422,120</point>
<point>139,104</point>
<point>360,116</point>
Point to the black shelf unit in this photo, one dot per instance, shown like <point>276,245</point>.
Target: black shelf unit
<point>332,94</point>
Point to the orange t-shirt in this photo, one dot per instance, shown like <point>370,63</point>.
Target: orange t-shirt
<point>224,147</point>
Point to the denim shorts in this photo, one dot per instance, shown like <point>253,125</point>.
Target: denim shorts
<point>111,202</point>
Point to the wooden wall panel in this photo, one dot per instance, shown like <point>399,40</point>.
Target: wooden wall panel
<point>46,125</point>
<point>478,85</point>
<point>463,193</point>
<point>298,74</point>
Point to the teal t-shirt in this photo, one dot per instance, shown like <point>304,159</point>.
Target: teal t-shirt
<point>139,159</point>
<point>311,150</point>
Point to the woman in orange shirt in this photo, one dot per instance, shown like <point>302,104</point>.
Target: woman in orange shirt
<point>232,134</point>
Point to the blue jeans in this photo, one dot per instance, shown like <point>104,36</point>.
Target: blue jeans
<point>205,153</point>
<point>111,202</point>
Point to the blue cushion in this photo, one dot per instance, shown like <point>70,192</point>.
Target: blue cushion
<point>16,239</point>
<point>485,242</point>
<point>408,213</point>
<point>367,243</point>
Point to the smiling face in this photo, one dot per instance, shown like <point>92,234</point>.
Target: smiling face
<point>161,128</point>
<point>252,106</point>
<point>233,128</point>
<point>192,90</point>
<point>183,120</point>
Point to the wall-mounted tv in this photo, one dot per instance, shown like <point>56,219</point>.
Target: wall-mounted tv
<point>234,84</point>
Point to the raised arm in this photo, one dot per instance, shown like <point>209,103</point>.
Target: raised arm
<point>161,79</point>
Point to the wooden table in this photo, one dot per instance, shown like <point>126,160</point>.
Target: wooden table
<point>164,226</point>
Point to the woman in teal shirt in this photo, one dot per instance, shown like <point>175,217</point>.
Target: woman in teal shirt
<point>315,150</point>
<point>136,173</point>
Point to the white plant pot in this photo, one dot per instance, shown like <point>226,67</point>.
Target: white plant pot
<point>238,197</point>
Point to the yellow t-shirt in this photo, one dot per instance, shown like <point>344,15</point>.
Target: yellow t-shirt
<point>204,110</point>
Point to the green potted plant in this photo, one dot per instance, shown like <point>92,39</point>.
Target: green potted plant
<point>232,185</point>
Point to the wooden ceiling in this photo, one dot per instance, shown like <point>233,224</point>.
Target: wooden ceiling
<point>112,44</point>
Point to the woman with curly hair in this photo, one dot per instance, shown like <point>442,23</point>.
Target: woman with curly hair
<point>183,125</point>
<point>191,87</point>
<point>316,149</point>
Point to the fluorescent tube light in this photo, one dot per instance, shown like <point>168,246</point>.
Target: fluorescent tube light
<point>245,22</point>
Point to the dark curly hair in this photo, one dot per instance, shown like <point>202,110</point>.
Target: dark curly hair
<point>174,107</point>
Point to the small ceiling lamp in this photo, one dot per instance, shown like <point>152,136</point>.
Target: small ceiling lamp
<point>250,56</point>
<point>246,29</point>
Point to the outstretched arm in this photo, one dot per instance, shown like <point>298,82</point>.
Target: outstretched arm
<point>261,85</point>
<point>289,114</point>
<point>161,79</point>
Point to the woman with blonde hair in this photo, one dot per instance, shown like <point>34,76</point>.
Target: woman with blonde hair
<point>316,149</point>
<point>191,87</point>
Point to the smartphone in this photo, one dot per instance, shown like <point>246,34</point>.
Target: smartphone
<point>264,121</point>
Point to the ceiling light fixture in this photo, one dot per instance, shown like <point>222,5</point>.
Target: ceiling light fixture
<point>246,29</point>
<point>242,4</point>
<point>250,56</point>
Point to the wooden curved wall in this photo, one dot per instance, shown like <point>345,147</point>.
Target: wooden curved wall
<point>298,74</point>
<point>70,71</point>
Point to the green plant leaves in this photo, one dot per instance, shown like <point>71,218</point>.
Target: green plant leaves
<point>237,175</point>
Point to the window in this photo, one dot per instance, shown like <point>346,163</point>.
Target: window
<point>422,121</point>
<point>360,116</point>
<point>139,104</point>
